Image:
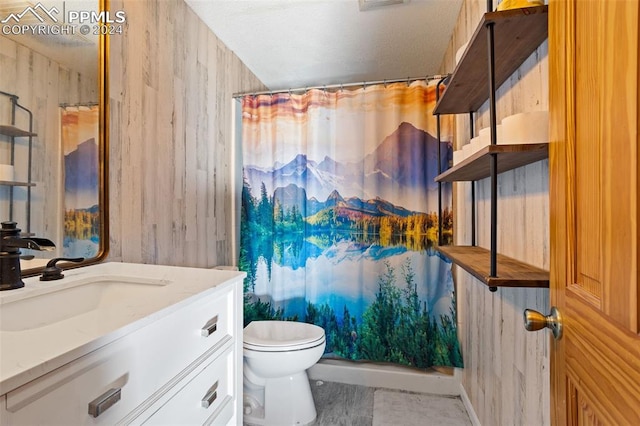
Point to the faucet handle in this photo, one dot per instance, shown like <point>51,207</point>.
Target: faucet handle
<point>54,272</point>
<point>9,225</point>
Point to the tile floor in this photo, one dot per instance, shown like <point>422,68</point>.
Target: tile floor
<point>339,404</point>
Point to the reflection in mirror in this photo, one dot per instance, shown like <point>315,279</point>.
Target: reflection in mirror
<point>53,128</point>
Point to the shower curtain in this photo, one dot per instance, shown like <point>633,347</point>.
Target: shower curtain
<point>80,134</point>
<point>340,217</point>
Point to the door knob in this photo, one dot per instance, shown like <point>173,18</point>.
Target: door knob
<point>534,321</point>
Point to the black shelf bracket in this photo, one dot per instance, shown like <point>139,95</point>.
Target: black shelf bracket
<point>494,157</point>
<point>473,186</point>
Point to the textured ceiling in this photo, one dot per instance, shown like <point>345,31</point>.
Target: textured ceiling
<point>302,43</point>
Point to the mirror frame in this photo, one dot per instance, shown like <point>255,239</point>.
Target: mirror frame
<point>103,155</point>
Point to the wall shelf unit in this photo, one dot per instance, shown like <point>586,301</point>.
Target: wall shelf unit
<point>13,133</point>
<point>501,43</point>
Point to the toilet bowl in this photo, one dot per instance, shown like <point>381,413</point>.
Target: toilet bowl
<point>276,357</point>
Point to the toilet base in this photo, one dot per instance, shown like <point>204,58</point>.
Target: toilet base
<point>288,402</point>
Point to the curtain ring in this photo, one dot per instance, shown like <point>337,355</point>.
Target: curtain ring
<point>384,83</point>
<point>408,81</point>
<point>341,88</point>
<point>364,85</point>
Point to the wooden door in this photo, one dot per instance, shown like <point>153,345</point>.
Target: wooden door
<point>594,94</point>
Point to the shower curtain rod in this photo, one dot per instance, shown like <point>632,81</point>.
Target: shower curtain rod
<point>343,86</point>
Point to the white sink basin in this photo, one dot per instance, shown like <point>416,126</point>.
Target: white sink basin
<point>54,304</point>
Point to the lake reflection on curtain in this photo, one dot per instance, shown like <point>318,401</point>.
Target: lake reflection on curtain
<point>339,220</point>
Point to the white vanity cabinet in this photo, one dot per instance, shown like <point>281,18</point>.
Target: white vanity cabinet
<point>183,368</point>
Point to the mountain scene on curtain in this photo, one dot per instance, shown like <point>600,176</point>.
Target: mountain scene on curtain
<point>349,246</point>
<point>82,214</point>
<point>389,173</point>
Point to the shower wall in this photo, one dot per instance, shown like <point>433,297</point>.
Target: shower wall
<point>506,374</point>
<point>170,180</point>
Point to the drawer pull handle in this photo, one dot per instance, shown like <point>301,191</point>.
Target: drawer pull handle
<point>210,396</point>
<point>104,402</point>
<point>210,327</point>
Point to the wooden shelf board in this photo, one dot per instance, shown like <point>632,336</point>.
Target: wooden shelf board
<point>14,131</point>
<point>509,157</point>
<point>517,33</point>
<point>511,272</point>
<point>15,183</point>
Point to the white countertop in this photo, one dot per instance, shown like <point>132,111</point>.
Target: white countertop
<point>28,354</point>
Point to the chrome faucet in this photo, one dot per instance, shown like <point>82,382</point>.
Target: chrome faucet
<point>10,244</point>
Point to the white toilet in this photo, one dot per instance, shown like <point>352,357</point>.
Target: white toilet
<point>276,357</point>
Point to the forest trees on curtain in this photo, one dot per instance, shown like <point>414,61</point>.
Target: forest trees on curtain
<point>339,221</point>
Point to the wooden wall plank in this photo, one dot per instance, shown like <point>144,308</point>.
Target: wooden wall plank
<point>171,141</point>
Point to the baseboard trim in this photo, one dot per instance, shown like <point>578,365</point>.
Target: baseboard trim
<point>475,421</point>
<point>386,376</point>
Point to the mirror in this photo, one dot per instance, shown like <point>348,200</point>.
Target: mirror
<point>54,127</point>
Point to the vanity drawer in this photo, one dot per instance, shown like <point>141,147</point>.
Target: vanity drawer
<point>206,396</point>
<point>175,341</point>
<point>62,397</point>
<point>168,347</point>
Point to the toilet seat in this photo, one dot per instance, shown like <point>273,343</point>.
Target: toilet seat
<point>281,336</point>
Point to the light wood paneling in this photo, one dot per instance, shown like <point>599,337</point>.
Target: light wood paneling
<point>506,373</point>
<point>171,189</point>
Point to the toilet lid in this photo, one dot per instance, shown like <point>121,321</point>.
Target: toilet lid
<point>281,335</point>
